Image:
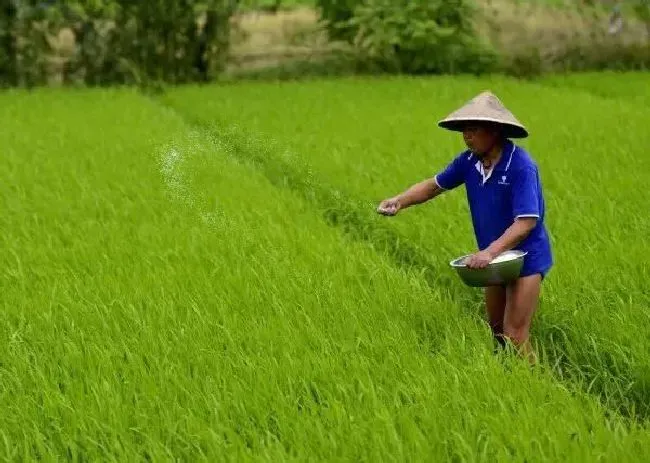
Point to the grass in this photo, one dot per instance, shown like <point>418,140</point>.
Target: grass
<point>178,289</point>
<point>370,139</point>
<point>615,85</point>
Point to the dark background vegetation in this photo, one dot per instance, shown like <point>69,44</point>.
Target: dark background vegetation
<point>97,42</point>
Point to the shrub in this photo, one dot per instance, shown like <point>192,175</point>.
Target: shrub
<point>7,44</point>
<point>122,41</point>
<point>414,36</point>
<point>336,14</point>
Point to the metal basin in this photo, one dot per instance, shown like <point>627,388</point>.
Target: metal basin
<point>503,269</point>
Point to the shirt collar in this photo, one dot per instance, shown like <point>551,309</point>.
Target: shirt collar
<point>508,151</point>
<point>504,161</point>
<point>506,156</point>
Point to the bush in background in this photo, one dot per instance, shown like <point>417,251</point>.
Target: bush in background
<point>336,15</point>
<point>101,42</point>
<point>7,44</point>
<point>411,36</point>
<point>533,39</point>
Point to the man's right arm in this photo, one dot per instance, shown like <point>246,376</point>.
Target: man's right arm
<point>451,177</point>
<point>419,193</point>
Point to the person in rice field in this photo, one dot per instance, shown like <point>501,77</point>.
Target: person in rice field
<point>506,201</point>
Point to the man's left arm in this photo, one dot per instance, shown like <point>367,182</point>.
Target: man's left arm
<point>515,234</point>
<point>526,213</point>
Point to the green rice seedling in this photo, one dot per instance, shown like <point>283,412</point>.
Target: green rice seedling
<point>163,300</point>
<point>634,86</point>
<point>363,140</point>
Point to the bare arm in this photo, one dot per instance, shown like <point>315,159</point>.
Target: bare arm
<point>419,193</point>
<point>416,194</point>
<point>514,235</point>
<point>510,238</point>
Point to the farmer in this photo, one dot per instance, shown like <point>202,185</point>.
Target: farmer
<point>506,202</point>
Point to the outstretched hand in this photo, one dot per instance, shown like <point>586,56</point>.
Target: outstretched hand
<point>389,207</point>
<point>480,259</point>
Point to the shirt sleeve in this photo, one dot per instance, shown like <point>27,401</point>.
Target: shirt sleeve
<point>454,174</point>
<point>525,193</point>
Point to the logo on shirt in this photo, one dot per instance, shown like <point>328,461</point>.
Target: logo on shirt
<point>503,180</point>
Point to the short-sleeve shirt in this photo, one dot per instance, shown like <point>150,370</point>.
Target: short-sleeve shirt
<point>512,189</point>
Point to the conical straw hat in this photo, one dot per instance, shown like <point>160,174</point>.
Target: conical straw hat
<point>485,107</point>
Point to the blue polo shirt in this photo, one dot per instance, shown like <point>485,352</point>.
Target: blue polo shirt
<point>512,189</point>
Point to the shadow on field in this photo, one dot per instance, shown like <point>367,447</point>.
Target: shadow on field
<point>621,388</point>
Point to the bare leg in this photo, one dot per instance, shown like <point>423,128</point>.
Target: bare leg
<point>495,304</point>
<point>522,300</point>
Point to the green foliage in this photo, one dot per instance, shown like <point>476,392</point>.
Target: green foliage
<point>273,5</point>
<point>121,41</point>
<point>336,14</point>
<point>420,36</point>
<point>176,293</point>
<point>7,44</point>
<point>642,10</point>
<point>625,86</point>
<point>412,36</point>
<point>441,36</point>
<point>595,56</point>
<point>592,322</point>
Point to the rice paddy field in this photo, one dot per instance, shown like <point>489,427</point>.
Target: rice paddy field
<point>201,276</point>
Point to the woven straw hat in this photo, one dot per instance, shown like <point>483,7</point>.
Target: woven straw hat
<point>485,107</point>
